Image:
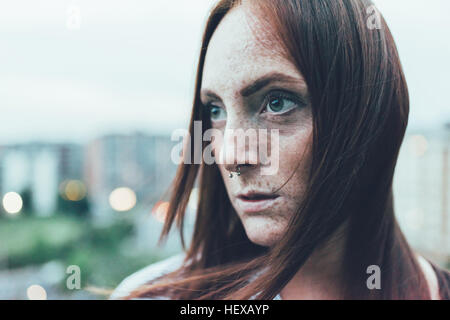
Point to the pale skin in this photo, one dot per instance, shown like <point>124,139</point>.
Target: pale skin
<point>236,59</point>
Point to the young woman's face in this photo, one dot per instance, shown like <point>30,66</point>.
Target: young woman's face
<point>278,99</point>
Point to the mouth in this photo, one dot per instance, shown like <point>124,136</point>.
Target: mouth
<point>254,202</point>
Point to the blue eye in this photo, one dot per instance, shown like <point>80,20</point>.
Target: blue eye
<point>279,103</point>
<point>217,113</point>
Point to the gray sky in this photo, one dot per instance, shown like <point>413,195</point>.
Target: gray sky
<point>131,65</point>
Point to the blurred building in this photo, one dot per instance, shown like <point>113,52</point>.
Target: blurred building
<point>44,182</point>
<point>138,161</point>
<point>422,191</point>
<point>38,169</point>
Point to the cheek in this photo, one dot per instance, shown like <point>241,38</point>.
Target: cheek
<point>294,150</point>
<point>295,163</point>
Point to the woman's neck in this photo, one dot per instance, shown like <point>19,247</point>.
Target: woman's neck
<point>321,275</point>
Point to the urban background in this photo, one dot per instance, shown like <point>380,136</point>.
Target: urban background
<point>90,92</point>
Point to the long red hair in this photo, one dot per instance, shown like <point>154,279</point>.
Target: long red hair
<point>360,113</point>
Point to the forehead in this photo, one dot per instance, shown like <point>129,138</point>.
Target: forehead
<point>242,50</point>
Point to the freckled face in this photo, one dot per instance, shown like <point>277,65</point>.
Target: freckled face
<point>247,85</point>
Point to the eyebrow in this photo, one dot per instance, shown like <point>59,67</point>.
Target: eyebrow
<point>259,84</point>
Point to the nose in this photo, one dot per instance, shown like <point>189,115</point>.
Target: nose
<point>240,149</point>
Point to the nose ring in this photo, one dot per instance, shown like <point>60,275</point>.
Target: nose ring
<point>238,171</point>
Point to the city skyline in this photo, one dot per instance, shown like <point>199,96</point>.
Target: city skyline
<point>139,162</point>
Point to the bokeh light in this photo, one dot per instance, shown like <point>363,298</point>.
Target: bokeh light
<point>12,202</point>
<point>36,292</point>
<point>122,199</point>
<point>415,219</point>
<point>72,190</point>
<point>159,211</point>
<point>418,145</point>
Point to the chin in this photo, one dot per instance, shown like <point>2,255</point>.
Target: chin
<point>263,230</point>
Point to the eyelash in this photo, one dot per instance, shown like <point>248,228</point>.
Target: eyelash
<point>280,94</point>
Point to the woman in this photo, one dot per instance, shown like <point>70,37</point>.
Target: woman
<point>328,78</point>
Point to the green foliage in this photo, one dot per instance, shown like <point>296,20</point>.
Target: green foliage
<point>97,251</point>
<point>31,240</point>
<point>74,208</point>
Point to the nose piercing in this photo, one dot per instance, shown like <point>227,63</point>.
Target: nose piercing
<point>238,171</point>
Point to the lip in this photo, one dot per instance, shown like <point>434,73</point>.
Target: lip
<point>254,201</point>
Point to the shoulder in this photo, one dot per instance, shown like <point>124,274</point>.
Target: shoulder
<point>430,276</point>
<point>146,274</point>
<point>443,281</point>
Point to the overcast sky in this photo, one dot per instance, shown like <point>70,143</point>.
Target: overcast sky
<point>131,64</point>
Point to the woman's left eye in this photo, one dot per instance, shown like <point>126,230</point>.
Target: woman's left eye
<point>279,104</point>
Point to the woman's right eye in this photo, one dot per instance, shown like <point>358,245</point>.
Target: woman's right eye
<point>217,113</point>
